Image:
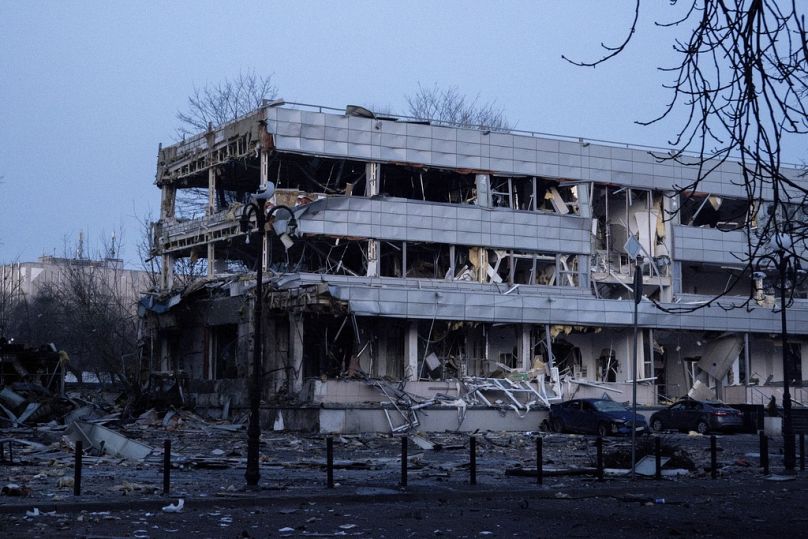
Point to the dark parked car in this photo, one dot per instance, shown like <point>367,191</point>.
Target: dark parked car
<point>594,416</point>
<point>701,416</point>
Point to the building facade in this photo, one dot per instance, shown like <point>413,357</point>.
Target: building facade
<point>446,256</point>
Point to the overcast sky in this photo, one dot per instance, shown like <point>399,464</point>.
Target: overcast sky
<point>89,89</point>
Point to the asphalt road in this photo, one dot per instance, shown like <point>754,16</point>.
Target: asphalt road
<point>759,508</point>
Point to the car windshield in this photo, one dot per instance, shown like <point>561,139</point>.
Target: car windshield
<point>608,406</point>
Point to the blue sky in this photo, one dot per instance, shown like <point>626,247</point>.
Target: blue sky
<point>89,89</point>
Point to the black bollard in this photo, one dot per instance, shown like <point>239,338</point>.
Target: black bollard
<point>658,454</point>
<point>2,452</point>
<point>599,446</point>
<point>764,453</point>
<point>77,469</point>
<point>539,463</point>
<point>329,462</point>
<point>713,457</point>
<point>166,466</point>
<point>10,452</point>
<point>473,460</point>
<point>802,451</point>
<point>404,441</point>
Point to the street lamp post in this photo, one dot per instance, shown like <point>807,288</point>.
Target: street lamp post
<point>788,266</point>
<point>634,354</point>
<point>634,249</point>
<point>257,207</point>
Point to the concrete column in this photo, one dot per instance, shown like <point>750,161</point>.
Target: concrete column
<point>264,170</point>
<point>295,371</point>
<point>167,272</point>
<point>670,208</point>
<point>372,181</point>
<point>211,259</point>
<point>525,348</point>
<point>211,209</point>
<point>168,197</point>
<point>482,182</point>
<point>411,351</point>
<point>584,210</point>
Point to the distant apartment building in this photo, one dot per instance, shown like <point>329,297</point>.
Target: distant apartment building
<point>431,256</point>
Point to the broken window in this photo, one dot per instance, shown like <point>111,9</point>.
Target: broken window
<point>711,280</point>
<point>714,211</point>
<point>608,366</point>
<point>223,348</point>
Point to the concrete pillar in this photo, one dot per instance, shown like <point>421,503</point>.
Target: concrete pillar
<point>482,183</point>
<point>167,272</point>
<point>264,178</point>
<point>411,351</point>
<point>211,209</point>
<point>168,197</point>
<point>294,371</point>
<point>670,208</point>
<point>372,181</point>
<point>525,350</point>
<point>584,210</point>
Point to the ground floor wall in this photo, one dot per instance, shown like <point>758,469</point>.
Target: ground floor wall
<point>211,342</point>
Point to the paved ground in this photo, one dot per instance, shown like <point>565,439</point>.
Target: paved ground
<point>123,499</point>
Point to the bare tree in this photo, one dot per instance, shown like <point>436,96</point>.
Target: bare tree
<point>451,107</point>
<point>742,82</point>
<point>88,310</point>
<point>216,104</point>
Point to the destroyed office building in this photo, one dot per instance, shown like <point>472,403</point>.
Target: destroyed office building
<point>450,266</point>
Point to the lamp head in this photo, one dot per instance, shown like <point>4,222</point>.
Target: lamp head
<point>266,194</point>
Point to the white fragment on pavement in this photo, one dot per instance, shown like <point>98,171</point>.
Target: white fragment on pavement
<point>172,508</point>
<point>347,526</point>
<point>286,530</point>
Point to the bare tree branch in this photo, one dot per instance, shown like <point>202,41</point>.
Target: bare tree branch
<point>214,105</point>
<point>451,107</point>
<point>742,81</point>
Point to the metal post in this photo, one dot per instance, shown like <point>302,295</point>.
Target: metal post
<point>599,446</point>
<point>2,452</point>
<point>473,460</point>
<point>404,441</point>
<point>539,461</point>
<point>637,299</point>
<point>329,462</point>
<point>802,451</point>
<point>253,475</point>
<point>713,457</point>
<point>77,469</point>
<point>166,466</point>
<point>788,428</point>
<point>764,453</point>
<point>658,454</point>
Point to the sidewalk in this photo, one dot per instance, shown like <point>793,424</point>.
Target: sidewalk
<point>638,490</point>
